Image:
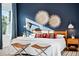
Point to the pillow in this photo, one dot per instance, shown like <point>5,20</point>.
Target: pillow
<point>43,35</point>
<point>51,31</point>
<point>38,35</point>
<point>46,35</point>
<point>36,32</point>
<point>51,35</point>
<point>55,35</point>
<point>32,36</point>
<point>44,31</point>
<point>60,36</point>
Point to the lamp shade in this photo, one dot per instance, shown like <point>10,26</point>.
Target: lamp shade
<point>70,26</point>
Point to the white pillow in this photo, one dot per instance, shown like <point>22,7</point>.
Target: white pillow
<point>44,31</point>
<point>32,36</point>
<point>60,36</point>
<point>51,31</point>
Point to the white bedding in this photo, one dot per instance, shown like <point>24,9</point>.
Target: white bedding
<point>57,45</point>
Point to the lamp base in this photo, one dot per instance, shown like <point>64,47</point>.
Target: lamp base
<point>72,37</point>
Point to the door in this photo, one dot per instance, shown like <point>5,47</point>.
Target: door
<point>6,20</point>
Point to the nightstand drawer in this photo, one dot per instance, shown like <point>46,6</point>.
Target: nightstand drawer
<point>72,41</point>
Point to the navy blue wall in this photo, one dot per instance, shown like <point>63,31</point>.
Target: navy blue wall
<point>0,29</point>
<point>67,12</point>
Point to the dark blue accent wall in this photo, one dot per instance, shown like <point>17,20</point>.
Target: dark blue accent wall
<point>66,11</point>
<point>0,29</point>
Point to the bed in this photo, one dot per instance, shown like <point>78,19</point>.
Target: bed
<point>57,45</point>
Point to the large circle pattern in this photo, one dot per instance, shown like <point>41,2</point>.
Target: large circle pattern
<point>54,21</point>
<point>42,17</point>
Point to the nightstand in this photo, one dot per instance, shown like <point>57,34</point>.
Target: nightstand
<point>73,43</point>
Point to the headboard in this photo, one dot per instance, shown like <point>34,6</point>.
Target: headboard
<point>61,32</point>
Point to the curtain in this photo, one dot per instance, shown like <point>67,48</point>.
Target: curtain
<point>0,28</point>
<point>13,22</point>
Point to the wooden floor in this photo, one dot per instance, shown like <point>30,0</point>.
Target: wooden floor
<point>70,53</point>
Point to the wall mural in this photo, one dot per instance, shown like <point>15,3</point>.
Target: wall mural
<point>42,17</point>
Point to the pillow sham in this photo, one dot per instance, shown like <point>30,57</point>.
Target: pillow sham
<point>60,36</point>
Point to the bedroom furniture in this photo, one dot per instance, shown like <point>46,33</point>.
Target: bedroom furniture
<point>71,30</point>
<point>20,48</point>
<point>57,44</point>
<point>41,48</point>
<point>73,43</point>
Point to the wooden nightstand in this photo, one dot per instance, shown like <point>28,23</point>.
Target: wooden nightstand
<point>73,43</point>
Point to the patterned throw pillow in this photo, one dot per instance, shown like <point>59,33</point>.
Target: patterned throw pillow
<point>37,35</point>
<point>46,35</point>
<point>43,35</point>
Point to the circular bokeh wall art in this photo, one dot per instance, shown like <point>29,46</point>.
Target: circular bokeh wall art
<point>42,17</point>
<point>54,21</point>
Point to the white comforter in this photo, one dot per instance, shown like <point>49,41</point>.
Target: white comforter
<point>57,45</point>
